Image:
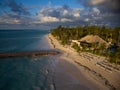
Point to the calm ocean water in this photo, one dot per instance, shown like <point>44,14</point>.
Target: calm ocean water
<point>25,73</point>
<point>22,40</point>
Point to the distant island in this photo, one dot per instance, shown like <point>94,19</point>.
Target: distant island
<point>102,40</point>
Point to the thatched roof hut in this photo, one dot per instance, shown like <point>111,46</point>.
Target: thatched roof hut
<point>93,39</point>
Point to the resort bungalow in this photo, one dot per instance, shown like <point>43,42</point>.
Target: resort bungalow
<point>92,40</point>
<point>75,41</point>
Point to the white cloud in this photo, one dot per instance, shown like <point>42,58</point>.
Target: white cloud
<point>58,14</point>
<point>45,19</point>
<point>86,19</point>
<point>66,20</point>
<point>16,21</point>
<point>49,19</point>
<point>9,20</point>
<point>97,11</point>
<point>96,2</point>
<point>65,12</point>
<point>76,12</point>
<point>76,15</point>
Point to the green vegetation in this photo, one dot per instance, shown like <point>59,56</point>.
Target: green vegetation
<point>114,57</point>
<point>66,34</point>
<point>76,47</point>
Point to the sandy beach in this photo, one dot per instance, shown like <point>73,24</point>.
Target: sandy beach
<point>86,70</point>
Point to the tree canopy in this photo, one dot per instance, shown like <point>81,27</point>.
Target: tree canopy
<point>66,34</point>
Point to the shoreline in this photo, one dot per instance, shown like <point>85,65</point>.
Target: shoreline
<point>90,63</point>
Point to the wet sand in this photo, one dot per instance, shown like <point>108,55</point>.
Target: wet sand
<point>68,77</point>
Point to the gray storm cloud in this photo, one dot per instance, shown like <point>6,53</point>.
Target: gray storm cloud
<point>15,7</point>
<point>104,5</point>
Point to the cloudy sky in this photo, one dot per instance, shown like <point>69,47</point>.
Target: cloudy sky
<point>47,14</point>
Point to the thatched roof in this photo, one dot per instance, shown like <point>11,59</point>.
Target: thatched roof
<point>93,39</point>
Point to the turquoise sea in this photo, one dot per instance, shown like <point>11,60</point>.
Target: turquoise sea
<point>25,73</point>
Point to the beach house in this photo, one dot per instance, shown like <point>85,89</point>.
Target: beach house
<point>92,41</point>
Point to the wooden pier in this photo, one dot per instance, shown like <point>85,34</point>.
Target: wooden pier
<point>32,53</point>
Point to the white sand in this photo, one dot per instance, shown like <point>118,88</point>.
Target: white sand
<point>87,66</point>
